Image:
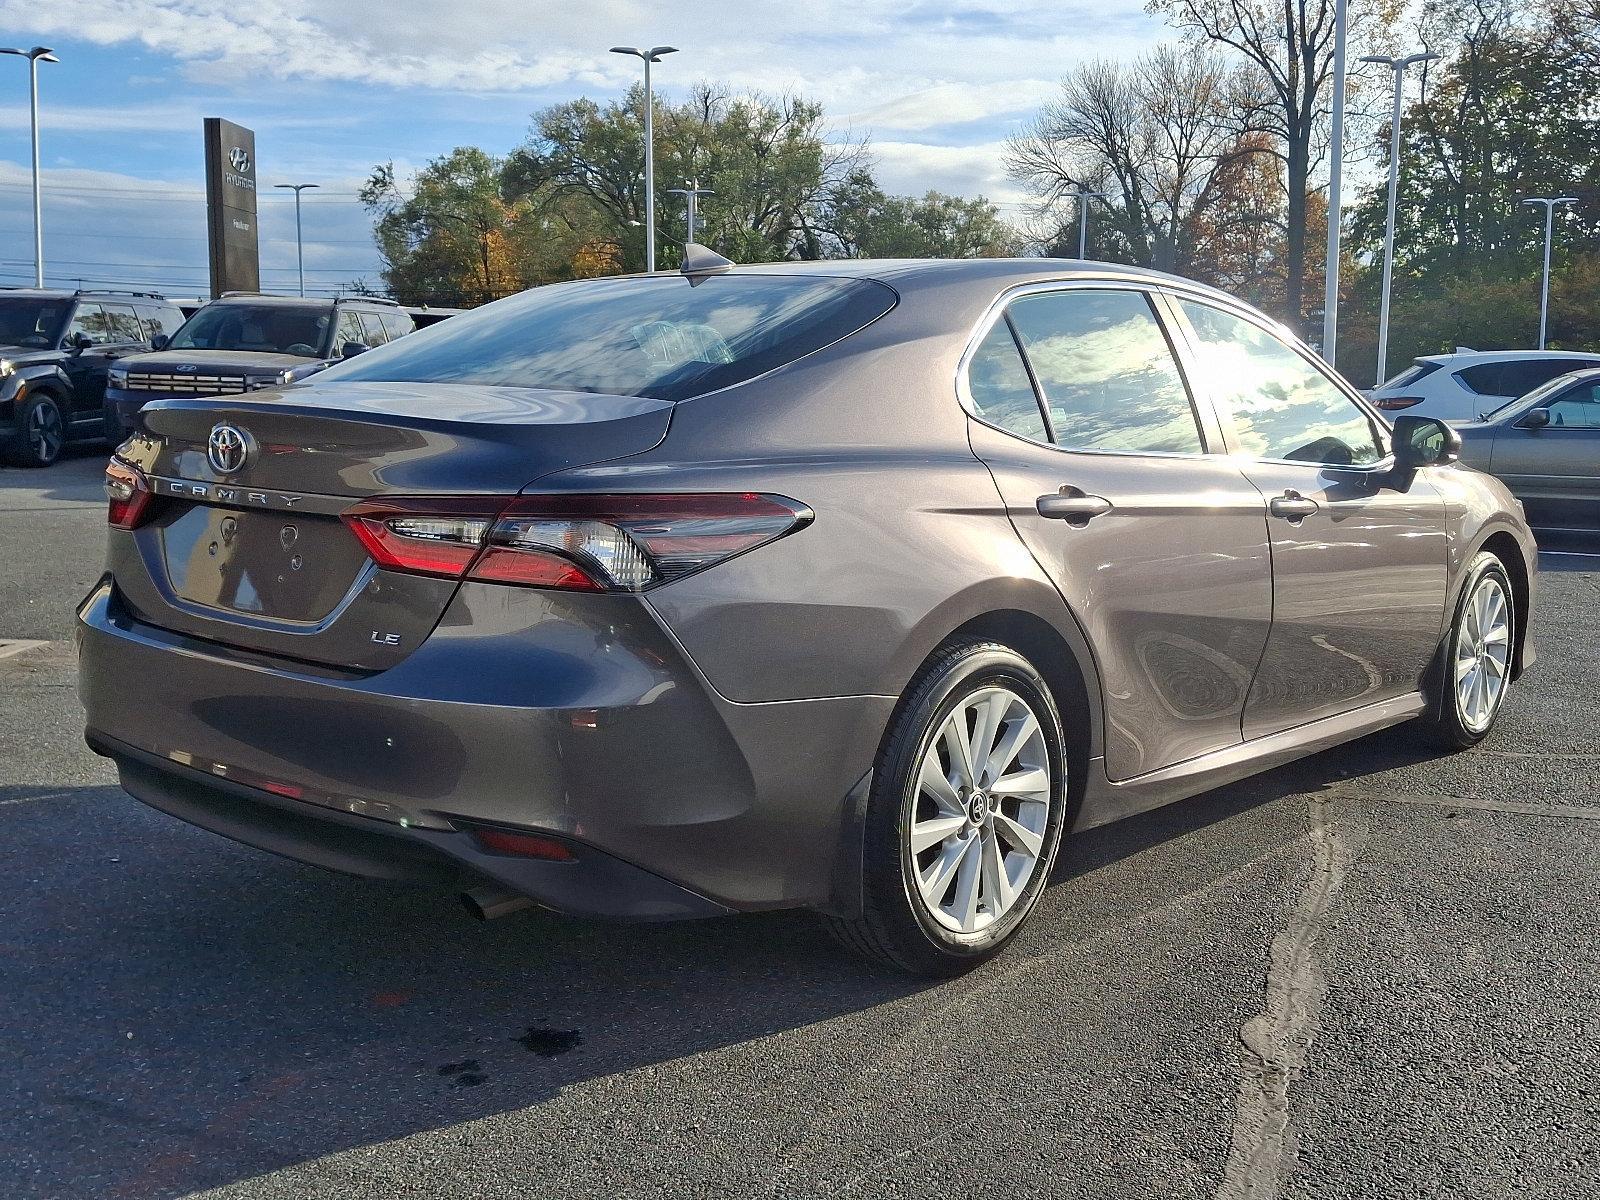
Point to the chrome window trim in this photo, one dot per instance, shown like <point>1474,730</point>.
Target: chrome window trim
<point>996,311</point>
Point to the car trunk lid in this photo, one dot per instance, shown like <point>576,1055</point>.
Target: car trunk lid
<point>257,555</point>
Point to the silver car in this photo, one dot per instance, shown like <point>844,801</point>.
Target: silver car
<point>847,586</point>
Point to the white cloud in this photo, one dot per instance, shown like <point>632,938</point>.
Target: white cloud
<point>954,103</point>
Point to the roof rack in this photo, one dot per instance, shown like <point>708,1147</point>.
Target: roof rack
<point>370,299</point>
<point>117,292</point>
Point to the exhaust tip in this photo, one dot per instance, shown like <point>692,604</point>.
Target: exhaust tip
<point>487,903</point>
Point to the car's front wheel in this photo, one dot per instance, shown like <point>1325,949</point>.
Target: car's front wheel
<point>965,813</point>
<point>41,432</point>
<point>1478,656</point>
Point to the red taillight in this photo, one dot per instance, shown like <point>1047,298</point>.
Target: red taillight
<point>623,542</point>
<point>127,494</point>
<point>1395,403</point>
<point>523,845</point>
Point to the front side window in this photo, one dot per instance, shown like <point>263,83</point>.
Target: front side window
<point>998,383</point>
<point>667,337</point>
<point>1109,379</point>
<point>30,321</point>
<point>1282,406</point>
<point>349,330</point>
<point>91,321</point>
<point>263,328</point>
<point>1578,408</point>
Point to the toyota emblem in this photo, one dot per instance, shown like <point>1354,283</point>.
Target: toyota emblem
<point>227,448</point>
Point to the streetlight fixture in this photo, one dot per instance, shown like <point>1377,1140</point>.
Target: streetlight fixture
<point>1084,195</point>
<point>1398,66</point>
<point>1330,272</point>
<point>653,54</point>
<point>35,56</point>
<point>299,246</point>
<point>691,193</point>
<point>1549,203</point>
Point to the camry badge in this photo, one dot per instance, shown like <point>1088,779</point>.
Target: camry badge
<point>227,448</point>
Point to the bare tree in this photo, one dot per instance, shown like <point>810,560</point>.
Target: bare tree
<point>1289,45</point>
<point>1159,135</point>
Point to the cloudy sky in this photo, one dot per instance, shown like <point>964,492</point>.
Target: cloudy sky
<point>332,87</point>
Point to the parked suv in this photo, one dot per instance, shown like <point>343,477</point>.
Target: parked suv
<point>1463,385</point>
<point>245,341</point>
<point>56,349</point>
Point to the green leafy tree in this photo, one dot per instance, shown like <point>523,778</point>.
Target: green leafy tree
<point>863,221</point>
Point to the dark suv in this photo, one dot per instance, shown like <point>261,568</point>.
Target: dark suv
<point>245,341</point>
<point>56,350</point>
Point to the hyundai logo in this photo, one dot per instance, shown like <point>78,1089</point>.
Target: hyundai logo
<point>240,158</point>
<point>227,448</point>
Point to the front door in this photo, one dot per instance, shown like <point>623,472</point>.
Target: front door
<point>1554,468</point>
<point>1157,544</point>
<point>1358,567</point>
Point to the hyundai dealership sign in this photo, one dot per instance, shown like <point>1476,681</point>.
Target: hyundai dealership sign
<point>231,207</point>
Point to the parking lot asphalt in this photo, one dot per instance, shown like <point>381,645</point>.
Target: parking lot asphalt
<point>1373,973</point>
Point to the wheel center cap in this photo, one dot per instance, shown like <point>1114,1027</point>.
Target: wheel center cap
<point>978,808</point>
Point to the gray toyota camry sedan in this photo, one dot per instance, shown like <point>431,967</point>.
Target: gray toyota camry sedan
<point>846,586</point>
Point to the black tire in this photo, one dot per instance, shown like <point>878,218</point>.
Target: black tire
<point>41,432</point>
<point>1450,723</point>
<point>896,925</point>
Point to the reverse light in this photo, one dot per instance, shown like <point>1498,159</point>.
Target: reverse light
<point>1395,403</point>
<point>597,543</point>
<point>128,496</point>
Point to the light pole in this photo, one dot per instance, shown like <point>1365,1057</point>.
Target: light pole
<point>691,193</point>
<point>299,246</point>
<point>1549,203</point>
<point>1398,66</point>
<point>1330,272</point>
<point>1084,195</point>
<point>653,54</point>
<point>35,56</point>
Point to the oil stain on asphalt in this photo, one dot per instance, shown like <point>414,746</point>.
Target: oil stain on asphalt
<point>547,1043</point>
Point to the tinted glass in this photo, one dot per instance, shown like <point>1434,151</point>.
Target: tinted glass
<point>1283,407</point>
<point>90,319</point>
<point>373,332</point>
<point>32,322</point>
<point>1521,377</point>
<point>122,322</point>
<point>662,337</point>
<point>1107,373</point>
<point>265,328</point>
<point>1483,379</point>
<point>1411,374</point>
<point>999,386</point>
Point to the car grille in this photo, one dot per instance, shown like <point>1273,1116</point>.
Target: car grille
<point>187,384</point>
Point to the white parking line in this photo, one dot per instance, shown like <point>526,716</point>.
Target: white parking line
<point>9,649</point>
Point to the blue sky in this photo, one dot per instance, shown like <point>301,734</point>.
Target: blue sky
<point>332,88</point>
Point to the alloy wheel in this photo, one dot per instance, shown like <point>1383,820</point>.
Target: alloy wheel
<point>44,431</point>
<point>981,810</point>
<point>1482,654</point>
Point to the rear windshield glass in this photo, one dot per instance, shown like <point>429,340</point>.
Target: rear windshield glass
<point>264,328</point>
<point>661,337</point>
<point>1412,373</point>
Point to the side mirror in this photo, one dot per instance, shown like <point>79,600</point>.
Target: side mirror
<point>1424,442</point>
<point>79,342</point>
<point>351,349</point>
<point>1536,418</point>
<point>160,342</point>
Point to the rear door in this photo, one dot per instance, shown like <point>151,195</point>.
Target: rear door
<point>1358,567</point>
<point>1112,477</point>
<point>1554,469</point>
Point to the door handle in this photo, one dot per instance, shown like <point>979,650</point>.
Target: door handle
<point>1072,506</point>
<point>1292,506</point>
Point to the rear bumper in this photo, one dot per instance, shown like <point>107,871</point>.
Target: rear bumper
<point>577,717</point>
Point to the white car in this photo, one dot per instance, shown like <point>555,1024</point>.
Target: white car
<point>1460,386</point>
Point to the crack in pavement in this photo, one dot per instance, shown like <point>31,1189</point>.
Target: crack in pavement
<point>1264,1148</point>
<point>1573,812</point>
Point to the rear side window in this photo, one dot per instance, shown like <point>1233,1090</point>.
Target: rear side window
<point>1483,378</point>
<point>664,337</point>
<point>398,324</point>
<point>1108,376</point>
<point>123,324</point>
<point>160,320</point>
<point>376,334</point>
<point>998,383</point>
